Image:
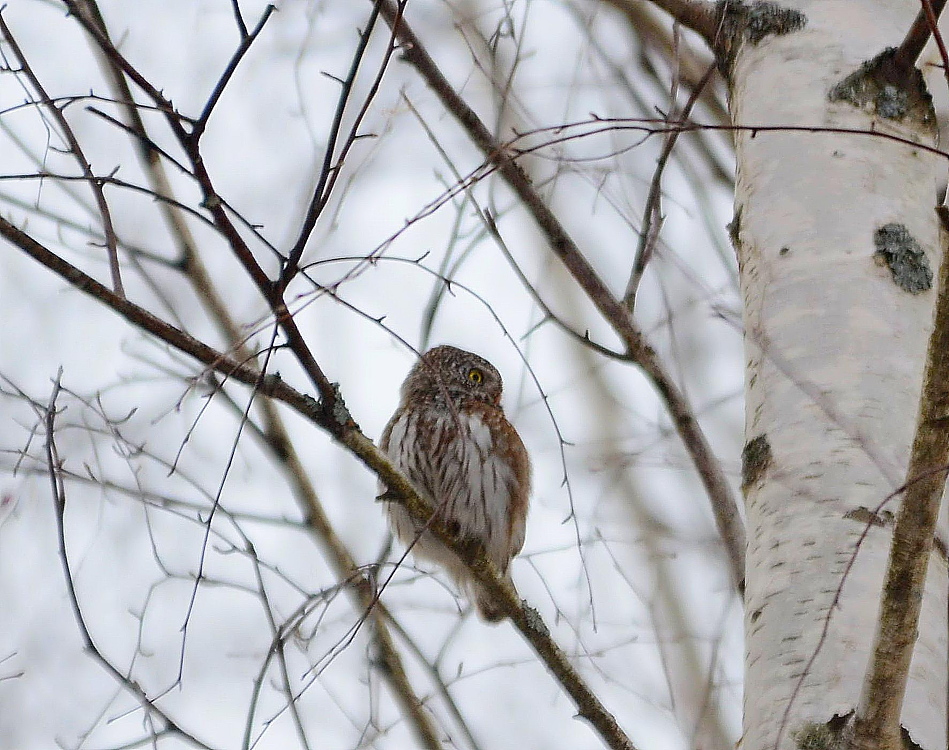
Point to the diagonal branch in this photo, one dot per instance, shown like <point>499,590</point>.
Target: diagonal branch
<point>330,170</point>
<point>270,385</point>
<point>652,215</point>
<point>700,17</point>
<point>246,41</point>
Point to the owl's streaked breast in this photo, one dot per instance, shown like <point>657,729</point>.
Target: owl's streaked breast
<point>450,437</point>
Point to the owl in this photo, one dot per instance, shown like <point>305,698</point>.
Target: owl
<point>450,437</point>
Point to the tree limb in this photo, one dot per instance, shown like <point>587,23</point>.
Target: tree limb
<point>700,17</point>
<point>907,54</point>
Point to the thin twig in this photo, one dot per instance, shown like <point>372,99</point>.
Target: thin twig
<point>434,674</point>
<point>489,221</point>
<point>95,183</point>
<point>145,143</point>
<point>239,18</point>
<point>90,19</point>
<point>246,41</point>
<point>652,214</point>
<point>277,648</point>
<point>654,32</point>
<point>41,175</point>
<point>330,170</point>
<point>650,126</point>
<point>701,17</point>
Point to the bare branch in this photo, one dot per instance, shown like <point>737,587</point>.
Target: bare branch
<point>918,35</point>
<point>91,21</point>
<point>246,41</point>
<point>652,214</point>
<point>332,163</point>
<point>54,467</point>
<point>239,18</point>
<point>75,149</point>
<point>270,385</point>
<point>699,16</point>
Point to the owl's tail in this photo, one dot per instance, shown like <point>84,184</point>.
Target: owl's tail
<point>486,604</point>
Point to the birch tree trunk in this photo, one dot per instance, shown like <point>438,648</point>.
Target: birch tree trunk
<point>837,241</point>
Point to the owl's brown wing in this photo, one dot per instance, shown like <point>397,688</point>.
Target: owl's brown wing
<point>520,488</point>
<point>403,441</point>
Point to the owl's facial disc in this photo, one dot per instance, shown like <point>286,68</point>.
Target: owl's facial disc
<point>446,372</point>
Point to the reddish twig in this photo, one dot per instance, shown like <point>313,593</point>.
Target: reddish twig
<point>918,35</point>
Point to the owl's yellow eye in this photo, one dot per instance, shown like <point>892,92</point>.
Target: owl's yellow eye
<point>475,376</point>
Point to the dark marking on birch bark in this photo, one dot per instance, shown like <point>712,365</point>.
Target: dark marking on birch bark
<point>755,460</point>
<point>734,228</point>
<point>753,23</point>
<point>907,261</point>
<point>881,88</point>
<point>867,516</point>
<point>828,736</point>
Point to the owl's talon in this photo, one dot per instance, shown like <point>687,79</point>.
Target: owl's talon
<point>388,497</point>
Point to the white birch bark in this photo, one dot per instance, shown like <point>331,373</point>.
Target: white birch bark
<point>835,350</point>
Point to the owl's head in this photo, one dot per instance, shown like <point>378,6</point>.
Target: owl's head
<point>448,373</point>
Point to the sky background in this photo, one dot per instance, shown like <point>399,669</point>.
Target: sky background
<point>622,559</point>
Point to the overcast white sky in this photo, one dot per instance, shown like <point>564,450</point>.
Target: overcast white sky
<point>639,525</point>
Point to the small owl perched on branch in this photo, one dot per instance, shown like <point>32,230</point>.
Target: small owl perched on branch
<point>451,439</point>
